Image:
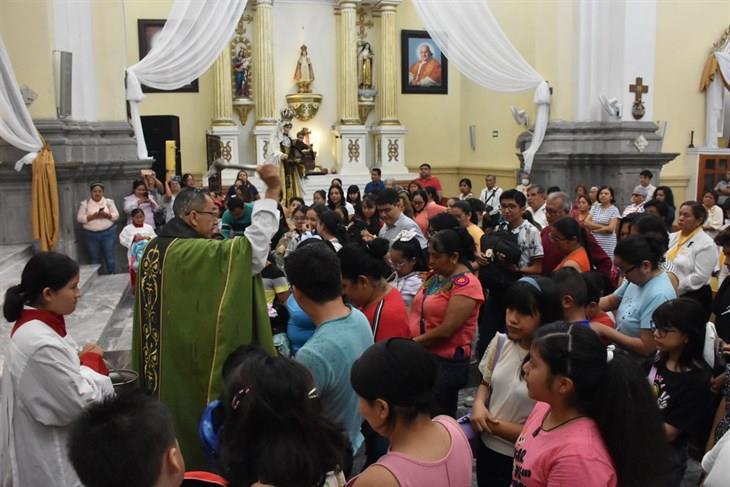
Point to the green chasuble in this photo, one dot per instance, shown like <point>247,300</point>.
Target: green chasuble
<point>196,302</point>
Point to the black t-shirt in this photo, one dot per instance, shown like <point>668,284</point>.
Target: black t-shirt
<point>721,309</point>
<point>683,399</point>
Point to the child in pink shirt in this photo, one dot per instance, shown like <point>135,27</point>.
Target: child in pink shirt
<point>596,422</point>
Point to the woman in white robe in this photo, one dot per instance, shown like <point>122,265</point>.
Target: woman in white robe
<point>46,381</point>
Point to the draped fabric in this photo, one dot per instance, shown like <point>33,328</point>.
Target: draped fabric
<point>715,82</point>
<point>195,33</point>
<point>470,36</point>
<point>44,194</point>
<point>16,128</point>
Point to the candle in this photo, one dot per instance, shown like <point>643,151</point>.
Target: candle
<point>170,158</point>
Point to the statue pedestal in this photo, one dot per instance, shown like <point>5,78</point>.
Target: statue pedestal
<point>597,153</point>
<point>351,149</point>
<point>262,133</point>
<point>390,149</point>
<point>229,141</point>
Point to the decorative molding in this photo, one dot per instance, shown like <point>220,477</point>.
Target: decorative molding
<point>353,150</point>
<point>363,23</point>
<point>722,42</point>
<point>393,151</point>
<point>304,105</point>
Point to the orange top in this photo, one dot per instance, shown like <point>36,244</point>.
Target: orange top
<point>580,257</point>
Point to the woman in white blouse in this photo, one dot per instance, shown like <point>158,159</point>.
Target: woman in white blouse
<point>715,216</point>
<point>693,254</point>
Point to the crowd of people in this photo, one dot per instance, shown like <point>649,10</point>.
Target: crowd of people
<point>598,336</point>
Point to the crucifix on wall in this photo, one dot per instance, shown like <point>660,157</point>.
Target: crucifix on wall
<point>638,89</point>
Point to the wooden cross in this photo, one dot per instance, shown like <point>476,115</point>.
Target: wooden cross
<point>638,89</point>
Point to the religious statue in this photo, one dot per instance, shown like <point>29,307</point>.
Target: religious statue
<point>242,66</point>
<point>365,63</point>
<point>304,74</point>
<point>290,155</point>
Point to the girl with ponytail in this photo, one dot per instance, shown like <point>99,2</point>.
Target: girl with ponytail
<point>47,381</point>
<point>364,273</point>
<point>596,422</point>
<point>331,229</point>
<point>444,313</point>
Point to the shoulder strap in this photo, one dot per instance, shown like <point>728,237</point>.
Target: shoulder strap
<point>500,343</point>
<point>653,371</point>
<point>376,319</point>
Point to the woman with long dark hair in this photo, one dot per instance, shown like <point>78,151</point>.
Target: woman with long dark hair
<point>140,198</point>
<point>331,229</point>
<point>665,195</point>
<point>367,217</point>
<point>501,404</point>
<point>681,378</point>
<point>335,198</point>
<point>353,196</point>
<point>395,380</point>
<point>47,382</point>
<point>274,431</point>
<point>596,422</point>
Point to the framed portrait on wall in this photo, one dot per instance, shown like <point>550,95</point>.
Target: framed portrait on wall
<point>148,31</point>
<point>424,68</point>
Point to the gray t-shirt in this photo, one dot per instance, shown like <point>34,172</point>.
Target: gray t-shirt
<point>390,233</point>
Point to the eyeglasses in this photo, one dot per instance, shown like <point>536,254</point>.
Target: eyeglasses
<point>627,270</point>
<point>214,214</point>
<point>663,331</point>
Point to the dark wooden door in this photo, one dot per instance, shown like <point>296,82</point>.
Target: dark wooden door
<point>711,171</point>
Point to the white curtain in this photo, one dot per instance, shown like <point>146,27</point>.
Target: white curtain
<point>472,40</point>
<point>16,125</point>
<point>195,33</point>
<point>714,99</point>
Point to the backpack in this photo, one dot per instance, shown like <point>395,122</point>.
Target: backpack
<point>496,276</point>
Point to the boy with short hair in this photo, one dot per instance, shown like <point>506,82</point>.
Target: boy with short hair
<point>596,289</point>
<point>124,441</point>
<point>573,295</point>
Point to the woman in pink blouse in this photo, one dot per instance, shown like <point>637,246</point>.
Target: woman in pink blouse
<point>97,216</point>
<point>443,316</point>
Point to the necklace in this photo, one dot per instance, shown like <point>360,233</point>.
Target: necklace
<point>547,430</point>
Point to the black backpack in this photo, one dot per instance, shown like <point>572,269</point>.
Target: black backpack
<point>497,276</point>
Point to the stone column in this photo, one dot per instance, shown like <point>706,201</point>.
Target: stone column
<point>348,62</point>
<point>222,123</point>
<point>352,136</point>
<point>263,77</point>
<point>389,134</point>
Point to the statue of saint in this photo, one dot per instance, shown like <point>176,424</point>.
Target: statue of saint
<point>304,74</point>
<point>242,66</point>
<point>365,63</point>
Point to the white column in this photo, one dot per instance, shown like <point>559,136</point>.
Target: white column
<point>352,136</point>
<point>390,135</point>
<point>616,42</point>
<point>74,32</point>
<point>263,77</point>
<point>222,124</point>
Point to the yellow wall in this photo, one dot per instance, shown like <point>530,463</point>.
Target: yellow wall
<point>685,33</point>
<point>26,27</point>
<point>194,109</point>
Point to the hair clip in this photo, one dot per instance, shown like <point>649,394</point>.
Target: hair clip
<point>609,353</point>
<point>236,401</point>
<point>312,394</point>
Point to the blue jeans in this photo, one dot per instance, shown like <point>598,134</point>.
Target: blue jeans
<point>101,245</point>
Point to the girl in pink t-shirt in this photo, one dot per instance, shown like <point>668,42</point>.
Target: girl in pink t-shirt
<point>596,422</point>
<point>395,381</point>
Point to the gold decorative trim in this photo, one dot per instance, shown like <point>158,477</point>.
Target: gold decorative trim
<point>234,242</point>
<point>724,39</point>
<point>304,105</point>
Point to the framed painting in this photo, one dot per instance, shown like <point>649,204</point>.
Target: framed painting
<point>424,68</point>
<point>147,31</point>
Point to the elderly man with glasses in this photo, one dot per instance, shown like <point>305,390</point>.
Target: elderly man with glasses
<point>197,300</point>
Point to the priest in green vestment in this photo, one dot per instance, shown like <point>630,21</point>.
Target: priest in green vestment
<point>197,300</point>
